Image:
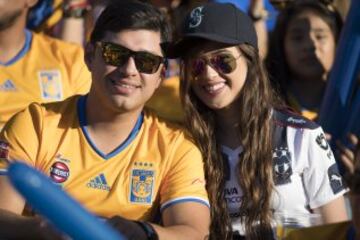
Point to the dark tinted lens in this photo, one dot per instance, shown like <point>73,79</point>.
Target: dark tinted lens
<point>114,55</point>
<point>224,63</point>
<point>198,66</point>
<point>147,62</point>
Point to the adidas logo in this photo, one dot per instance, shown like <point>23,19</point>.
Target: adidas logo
<point>8,86</point>
<point>99,182</point>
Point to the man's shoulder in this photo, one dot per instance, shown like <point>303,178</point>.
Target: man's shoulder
<point>54,110</point>
<point>70,102</point>
<point>164,126</point>
<point>45,116</point>
<point>162,123</point>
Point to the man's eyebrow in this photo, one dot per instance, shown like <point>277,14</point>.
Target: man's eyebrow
<point>147,51</point>
<point>141,50</point>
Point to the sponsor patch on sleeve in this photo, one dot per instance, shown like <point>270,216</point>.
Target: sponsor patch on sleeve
<point>336,181</point>
<point>4,151</point>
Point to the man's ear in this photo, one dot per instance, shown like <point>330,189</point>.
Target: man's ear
<point>89,54</point>
<point>164,68</point>
<point>163,72</point>
<point>161,76</point>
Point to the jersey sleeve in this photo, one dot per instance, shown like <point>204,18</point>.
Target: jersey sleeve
<point>20,136</point>
<point>185,180</point>
<point>322,180</point>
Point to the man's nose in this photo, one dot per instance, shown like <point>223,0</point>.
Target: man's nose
<point>129,66</point>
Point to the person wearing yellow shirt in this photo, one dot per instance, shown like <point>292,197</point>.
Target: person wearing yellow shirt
<point>35,67</point>
<point>119,160</point>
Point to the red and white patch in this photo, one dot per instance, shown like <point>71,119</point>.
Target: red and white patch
<point>59,172</point>
<point>4,150</point>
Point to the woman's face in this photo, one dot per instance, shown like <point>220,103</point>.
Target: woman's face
<point>218,74</point>
<point>309,46</point>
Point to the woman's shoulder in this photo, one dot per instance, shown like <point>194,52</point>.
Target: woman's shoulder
<point>287,118</point>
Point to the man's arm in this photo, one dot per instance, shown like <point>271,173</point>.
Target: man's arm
<point>184,205</point>
<point>12,224</point>
<point>189,220</point>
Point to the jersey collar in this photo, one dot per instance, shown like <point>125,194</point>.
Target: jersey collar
<point>81,108</point>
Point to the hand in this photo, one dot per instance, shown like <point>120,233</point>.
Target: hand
<point>257,10</point>
<point>128,228</point>
<point>257,4</point>
<point>48,231</point>
<point>347,155</point>
<point>350,156</point>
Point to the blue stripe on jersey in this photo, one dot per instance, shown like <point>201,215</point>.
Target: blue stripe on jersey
<point>181,200</point>
<point>103,180</point>
<point>81,107</point>
<point>98,180</point>
<point>23,51</point>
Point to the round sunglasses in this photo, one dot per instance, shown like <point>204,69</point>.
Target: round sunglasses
<point>223,63</point>
<point>117,55</point>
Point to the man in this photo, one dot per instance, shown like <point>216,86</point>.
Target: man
<point>117,159</point>
<point>33,67</point>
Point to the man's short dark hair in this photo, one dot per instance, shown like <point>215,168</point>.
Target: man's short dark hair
<point>131,15</point>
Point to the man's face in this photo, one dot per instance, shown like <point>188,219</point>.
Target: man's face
<point>126,87</point>
<point>10,11</point>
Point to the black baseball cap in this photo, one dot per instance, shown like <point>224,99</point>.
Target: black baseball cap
<point>219,22</point>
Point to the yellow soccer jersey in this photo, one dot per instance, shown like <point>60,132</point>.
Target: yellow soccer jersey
<point>157,166</point>
<point>45,70</point>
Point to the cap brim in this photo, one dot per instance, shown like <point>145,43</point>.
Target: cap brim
<point>180,48</point>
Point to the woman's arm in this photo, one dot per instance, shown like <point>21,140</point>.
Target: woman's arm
<point>334,211</point>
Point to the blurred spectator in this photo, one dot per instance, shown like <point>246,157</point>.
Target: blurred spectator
<point>342,6</point>
<point>75,25</point>
<point>33,67</point>
<point>44,15</point>
<point>69,20</point>
<point>302,52</point>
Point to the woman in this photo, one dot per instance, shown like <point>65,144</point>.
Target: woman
<point>302,52</point>
<point>258,159</point>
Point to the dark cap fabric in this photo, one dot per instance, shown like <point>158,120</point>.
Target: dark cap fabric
<point>219,22</point>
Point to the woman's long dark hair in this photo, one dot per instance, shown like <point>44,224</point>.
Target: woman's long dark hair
<point>255,165</point>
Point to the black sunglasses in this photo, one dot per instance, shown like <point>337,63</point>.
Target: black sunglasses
<point>224,63</point>
<point>117,55</point>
